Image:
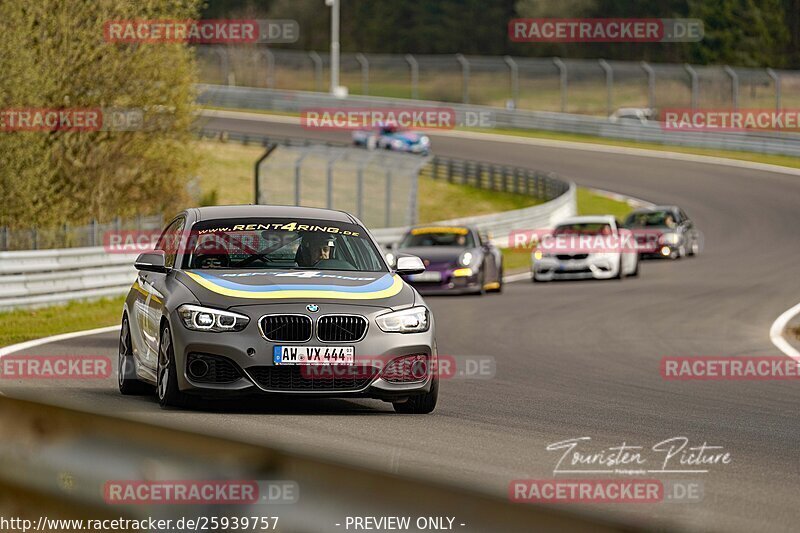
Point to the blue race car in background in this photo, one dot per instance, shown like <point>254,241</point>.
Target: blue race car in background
<point>390,137</point>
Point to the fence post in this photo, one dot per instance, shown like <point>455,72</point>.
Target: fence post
<point>734,86</point>
<point>257,173</point>
<point>4,238</point>
<point>693,76</point>
<point>609,85</point>
<point>34,239</point>
<point>362,60</point>
<point>297,178</point>
<point>562,70</point>
<point>388,206</point>
<point>360,192</point>
<point>412,63</point>
<point>450,170</point>
<point>317,60</point>
<point>92,232</point>
<point>651,84</point>
<point>270,57</point>
<point>776,79</point>
<point>464,77</point>
<point>514,72</point>
<point>225,65</point>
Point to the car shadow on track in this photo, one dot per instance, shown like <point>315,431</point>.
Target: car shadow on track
<point>256,405</point>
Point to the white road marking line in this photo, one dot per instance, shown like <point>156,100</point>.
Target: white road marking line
<point>776,333</point>
<point>54,338</point>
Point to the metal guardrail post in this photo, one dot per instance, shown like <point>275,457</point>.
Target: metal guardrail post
<point>776,79</point>
<point>464,77</point>
<point>450,170</point>
<point>609,85</point>
<point>562,70</point>
<point>364,62</point>
<point>695,89</point>
<point>4,238</point>
<point>734,86</point>
<point>414,66</point>
<point>317,60</point>
<point>514,73</point>
<point>651,84</point>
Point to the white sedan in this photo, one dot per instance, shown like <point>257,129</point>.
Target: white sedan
<point>586,247</point>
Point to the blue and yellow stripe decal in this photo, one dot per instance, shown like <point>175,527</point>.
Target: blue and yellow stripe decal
<point>383,287</point>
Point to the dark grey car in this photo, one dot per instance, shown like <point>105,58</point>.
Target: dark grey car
<point>276,300</point>
<point>675,233</point>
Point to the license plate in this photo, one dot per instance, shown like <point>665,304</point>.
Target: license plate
<point>313,355</point>
<point>427,276</point>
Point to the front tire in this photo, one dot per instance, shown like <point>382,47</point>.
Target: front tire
<point>169,395</point>
<point>421,404</point>
<point>127,381</point>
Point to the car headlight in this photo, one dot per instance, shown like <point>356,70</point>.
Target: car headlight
<point>465,259</point>
<point>538,254</point>
<point>424,141</point>
<point>414,320</point>
<point>199,318</point>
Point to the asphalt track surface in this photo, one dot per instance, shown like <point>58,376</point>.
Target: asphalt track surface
<point>573,359</point>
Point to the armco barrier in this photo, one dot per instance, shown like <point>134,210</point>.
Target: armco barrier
<point>243,98</point>
<point>46,277</point>
<point>56,461</point>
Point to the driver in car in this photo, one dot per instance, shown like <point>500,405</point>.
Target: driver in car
<point>314,247</point>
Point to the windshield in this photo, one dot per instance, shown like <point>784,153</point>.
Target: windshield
<point>660,219</point>
<point>281,244</point>
<point>593,228</point>
<point>460,237</point>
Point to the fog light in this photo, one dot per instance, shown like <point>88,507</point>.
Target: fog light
<point>407,369</point>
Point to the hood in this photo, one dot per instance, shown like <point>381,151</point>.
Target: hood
<point>436,254</point>
<point>227,288</point>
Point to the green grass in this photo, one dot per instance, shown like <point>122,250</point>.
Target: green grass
<point>26,324</point>
<point>590,203</point>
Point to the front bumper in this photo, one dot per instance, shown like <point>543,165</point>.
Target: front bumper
<point>552,268</point>
<point>448,283</point>
<point>252,357</point>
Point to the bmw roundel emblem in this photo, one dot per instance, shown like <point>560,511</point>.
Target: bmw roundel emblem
<point>312,308</point>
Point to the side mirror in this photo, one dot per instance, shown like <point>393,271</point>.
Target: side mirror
<point>154,261</point>
<point>409,264</point>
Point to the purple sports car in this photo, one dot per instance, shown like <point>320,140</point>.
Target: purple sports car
<point>458,260</point>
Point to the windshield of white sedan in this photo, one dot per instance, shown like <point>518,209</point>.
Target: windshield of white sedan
<point>281,244</point>
<point>460,237</point>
